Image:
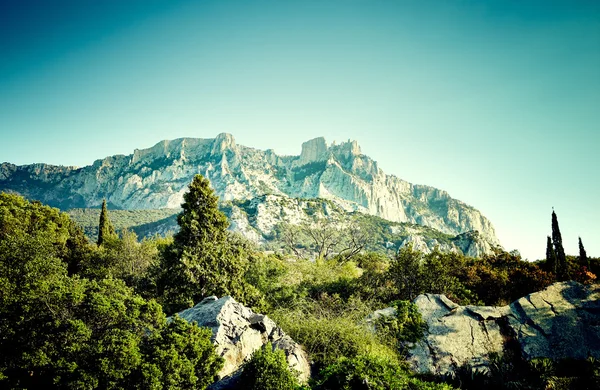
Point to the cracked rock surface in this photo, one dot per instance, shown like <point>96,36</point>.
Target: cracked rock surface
<point>561,321</point>
<point>237,332</point>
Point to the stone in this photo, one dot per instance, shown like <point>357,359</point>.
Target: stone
<point>561,321</point>
<point>237,332</point>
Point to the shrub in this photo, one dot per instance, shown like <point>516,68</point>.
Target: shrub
<point>406,326</point>
<point>316,323</point>
<point>367,372</point>
<point>268,370</point>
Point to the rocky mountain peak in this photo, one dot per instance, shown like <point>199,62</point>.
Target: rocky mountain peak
<point>347,149</point>
<point>223,142</point>
<point>313,150</point>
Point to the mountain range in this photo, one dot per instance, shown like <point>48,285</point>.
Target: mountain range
<point>260,189</point>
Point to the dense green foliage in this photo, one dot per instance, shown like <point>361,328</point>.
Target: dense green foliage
<point>66,331</point>
<point>367,372</point>
<point>268,370</point>
<point>166,367</point>
<point>406,326</point>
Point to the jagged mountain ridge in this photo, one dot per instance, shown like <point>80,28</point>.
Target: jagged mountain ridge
<point>158,177</point>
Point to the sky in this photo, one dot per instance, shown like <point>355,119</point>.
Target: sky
<point>496,102</point>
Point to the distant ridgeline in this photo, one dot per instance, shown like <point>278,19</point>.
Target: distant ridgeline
<point>260,191</point>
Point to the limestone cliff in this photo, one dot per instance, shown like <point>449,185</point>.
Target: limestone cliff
<point>158,177</point>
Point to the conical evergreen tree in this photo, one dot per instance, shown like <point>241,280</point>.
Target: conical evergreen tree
<point>583,259</point>
<point>201,220</point>
<point>550,257</point>
<point>202,261</point>
<point>562,272</point>
<point>105,227</point>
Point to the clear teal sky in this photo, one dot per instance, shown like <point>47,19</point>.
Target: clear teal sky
<point>497,102</point>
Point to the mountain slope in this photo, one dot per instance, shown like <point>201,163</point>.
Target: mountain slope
<point>158,177</point>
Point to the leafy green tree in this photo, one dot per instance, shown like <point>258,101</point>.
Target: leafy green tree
<point>127,259</point>
<point>438,273</point>
<point>562,269</point>
<point>20,219</point>
<point>583,259</point>
<point>105,227</point>
<point>405,272</point>
<point>268,369</point>
<point>205,259</point>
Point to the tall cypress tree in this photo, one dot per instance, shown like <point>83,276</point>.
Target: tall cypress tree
<point>562,271</point>
<point>583,259</point>
<point>550,257</point>
<point>105,227</point>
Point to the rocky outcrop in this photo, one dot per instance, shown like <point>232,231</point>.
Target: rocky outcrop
<point>312,151</point>
<point>562,321</point>
<point>158,177</point>
<point>237,332</point>
<point>258,220</point>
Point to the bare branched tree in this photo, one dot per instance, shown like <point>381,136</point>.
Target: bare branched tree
<point>354,240</point>
<point>292,236</point>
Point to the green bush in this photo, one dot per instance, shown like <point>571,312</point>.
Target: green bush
<point>406,326</point>
<point>367,372</point>
<point>268,370</point>
<point>315,323</point>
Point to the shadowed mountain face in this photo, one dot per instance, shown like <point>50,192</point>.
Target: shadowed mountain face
<point>158,177</point>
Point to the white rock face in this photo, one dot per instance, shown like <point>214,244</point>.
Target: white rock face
<point>559,322</point>
<point>312,151</point>
<point>237,332</point>
<point>158,177</point>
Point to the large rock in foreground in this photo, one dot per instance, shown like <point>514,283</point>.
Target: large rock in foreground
<point>562,321</point>
<point>237,332</point>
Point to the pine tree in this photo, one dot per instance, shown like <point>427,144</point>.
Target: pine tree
<point>550,257</point>
<point>201,220</point>
<point>562,272</point>
<point>583,259</point>
<point>105,227</point>
<point>203,260</point>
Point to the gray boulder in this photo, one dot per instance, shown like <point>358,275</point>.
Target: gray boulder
<point>561,321</point>
<point>237,332</point>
